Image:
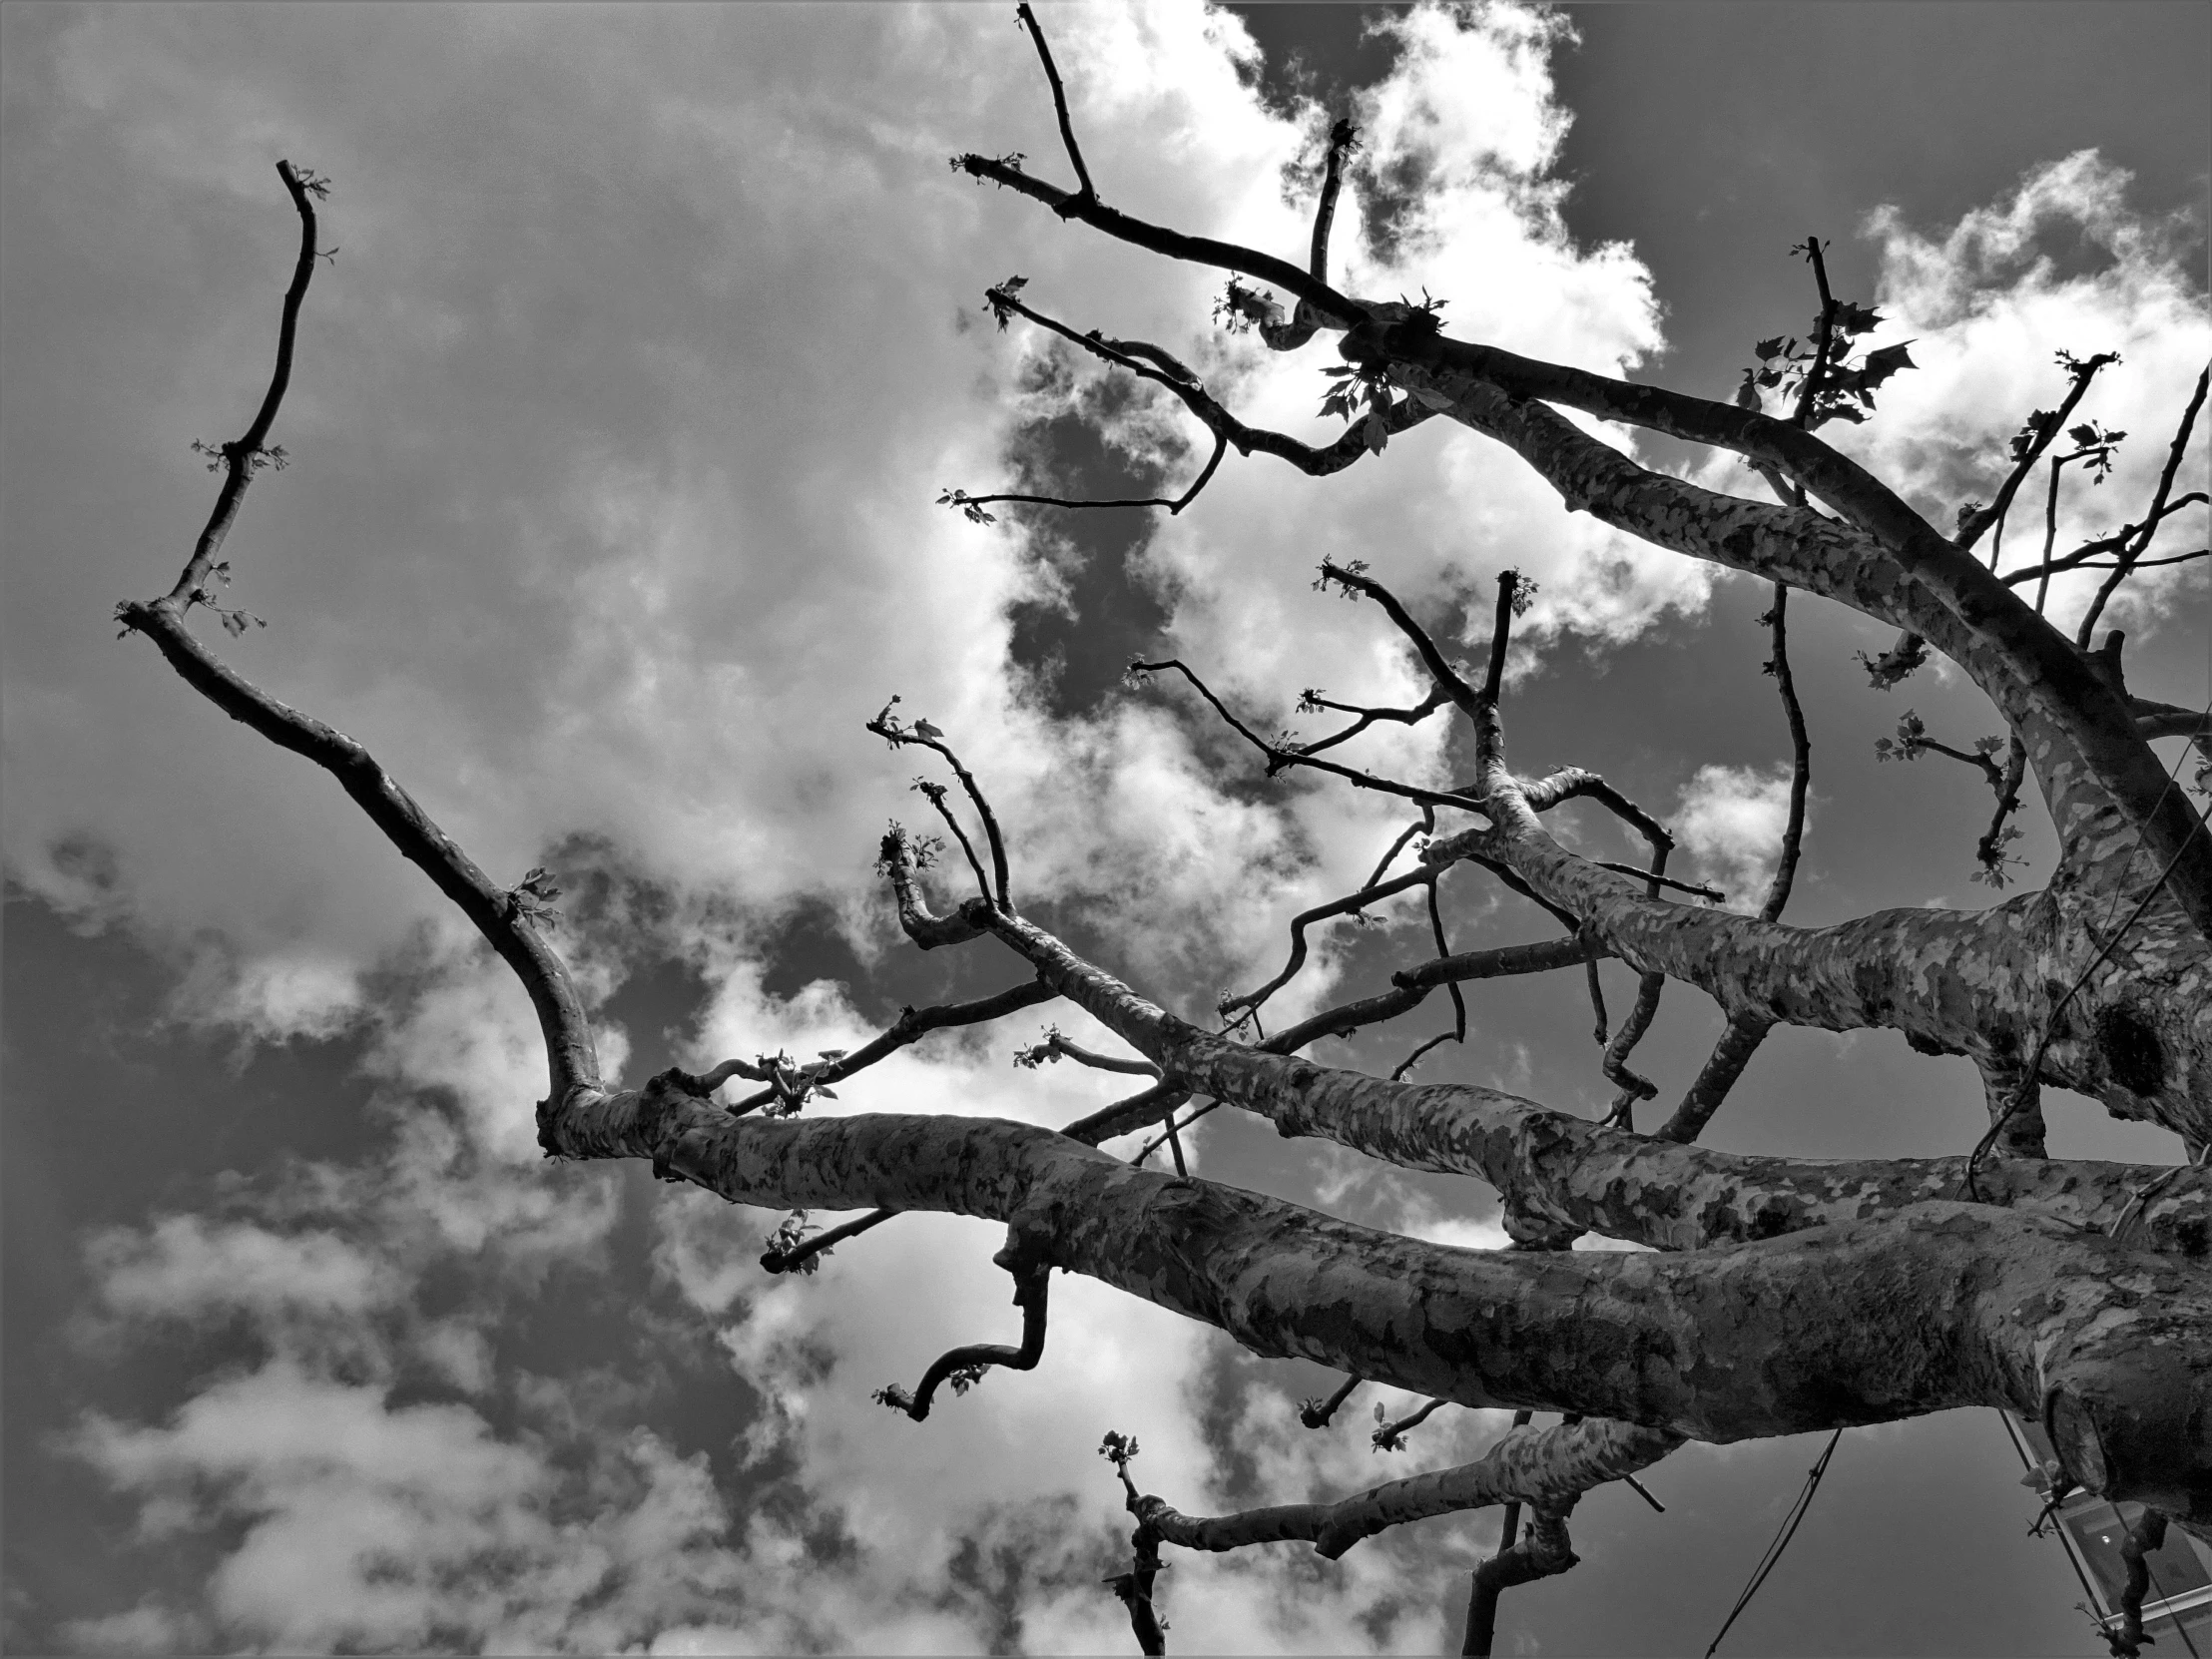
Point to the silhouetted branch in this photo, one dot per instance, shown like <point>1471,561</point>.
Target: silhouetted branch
<point>963,1367</point>
<point>887,727</point>
<point>896,858</point>
<point>1343,138</point>
<point>501,914</point>
<point>1312,699</point>
<point>795,1257</point>
<point>1801,758</point>
<point>1059,101</point>
<point>934,793</point>
<point>2035,437</point>
<point>1279,758</point>
<point>1350,904</point>
<point>1314,1414</point>
<point>1334,310</point>
<point>1802,417</point>
<point>1353,578</point>
<point>245,454</point>
<point>973,506</point>
<point>2131,557</point>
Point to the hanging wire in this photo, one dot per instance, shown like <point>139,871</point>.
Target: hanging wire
<point>2033,1075</point>
<point>1781,1541</point>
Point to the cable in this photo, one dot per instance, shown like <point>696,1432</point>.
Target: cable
<point>1781,1541</point>
<point>2033,1073</point>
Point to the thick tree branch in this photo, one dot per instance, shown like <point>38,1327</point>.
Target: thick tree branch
<point>1942,1305</point>
<point>1570,1171</point>
<point>963,1367</point>
<point>896,858</point>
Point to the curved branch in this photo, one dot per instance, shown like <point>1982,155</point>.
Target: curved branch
<point>921,924</point>
<point>244,455</point>
<point>1317,461</point>
<point>963,1367</point>
<point>1332,308</point>
<point>1314,1414</point>
<point>572,1061</point>
<point>1350,904</point>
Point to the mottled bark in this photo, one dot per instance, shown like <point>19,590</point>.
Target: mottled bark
<point>1583,1175</point>
<point>1782,1295</point>
<point>1937,1306</point>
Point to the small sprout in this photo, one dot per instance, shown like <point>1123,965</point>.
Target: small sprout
<point>1001,299</point>
<point>789,1234</point>
<point>975,511</point>
<point>1336,572</point>
<point>1118,1449</point>
<point>898,1398</point>
<point>1910,742</point>
<point>533,897</point>
<point>964,1377</point>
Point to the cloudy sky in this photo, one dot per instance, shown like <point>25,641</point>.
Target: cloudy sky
<point>649,339</point>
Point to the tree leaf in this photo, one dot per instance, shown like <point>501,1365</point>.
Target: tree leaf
<point>1879,366</point>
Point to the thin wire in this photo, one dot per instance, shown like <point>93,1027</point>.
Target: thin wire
<point>1781,1541</point>
<point>2033,1073</point>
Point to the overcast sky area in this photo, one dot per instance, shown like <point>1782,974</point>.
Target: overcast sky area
<point>649,340</point>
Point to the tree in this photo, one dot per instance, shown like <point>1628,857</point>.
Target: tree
<point>1776,1296</point>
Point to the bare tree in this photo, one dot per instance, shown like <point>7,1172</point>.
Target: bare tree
<point>1775,1296</point>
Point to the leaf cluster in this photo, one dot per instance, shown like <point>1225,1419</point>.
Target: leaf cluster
<point>791,1231</point>
<point>1844,389</point>
<point>533,895</point>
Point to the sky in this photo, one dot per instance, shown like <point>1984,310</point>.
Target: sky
<point>649,340</point>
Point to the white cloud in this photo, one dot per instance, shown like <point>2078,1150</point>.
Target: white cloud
<point>617,428</point>
<point>1731,821</point>
<point>2062,264</point>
